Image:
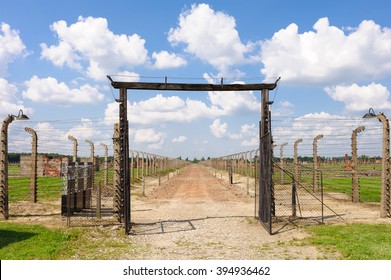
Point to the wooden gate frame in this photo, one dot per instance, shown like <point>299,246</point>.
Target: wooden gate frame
<point>165,86</point>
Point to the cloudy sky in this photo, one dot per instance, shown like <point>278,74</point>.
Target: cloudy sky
<point>333,57</point>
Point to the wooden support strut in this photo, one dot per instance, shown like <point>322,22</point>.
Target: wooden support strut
<point>192,87</point>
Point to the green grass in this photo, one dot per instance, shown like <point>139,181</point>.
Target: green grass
<point>29,242</point>
<point>48,188</point>
<point>370,187</point>
<point>354,241</point>
<point>33,242</point>
<point>13,169</point>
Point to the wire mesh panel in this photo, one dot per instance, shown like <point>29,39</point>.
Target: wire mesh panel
<point>48,191</point>
<point>256,186</point>
<point>88,195</point>
<point>296,202</point>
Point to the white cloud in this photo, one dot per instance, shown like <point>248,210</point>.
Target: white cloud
<point>327,55</point>
<point>231,102</point>
<point>49,90</point>
<point>11,46</point>
<point>248,129</point>
<point>155,140</point>
<point>162,109</point>
<point>283,108</point>
<point>361,98</point>
<point>175,109</point>
<point>126,76</point>
<point>89,41</point>
<point>251,132</point>
<point>9,103</point>
<point>211,36</point>
<point>311,125</point>
<point>83,131</point>
<point>165,60</point>
<point>179,139</point>
<point>253,142</point>
<point>286,104</point>
<point>156,146</point>
<point>55,137</point>
<point>219,129</point>
<point>147,135</point>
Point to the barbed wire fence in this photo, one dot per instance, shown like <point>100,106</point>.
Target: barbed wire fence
<point>68,176</point>
<point>334,158</point>
<point>317,155</point>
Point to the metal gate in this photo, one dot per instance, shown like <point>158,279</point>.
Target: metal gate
<point>285,203</point>
<point>266,190</point>
<point>88,195</point>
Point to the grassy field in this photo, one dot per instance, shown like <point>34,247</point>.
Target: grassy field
<point>50,188</point>
<point>28,242</point>
<point>354,241</point>
<point>369,187</point>
<point>25,242</point>
<point>338,179</point>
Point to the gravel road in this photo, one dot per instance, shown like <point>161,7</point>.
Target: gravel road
<point>197,216</point>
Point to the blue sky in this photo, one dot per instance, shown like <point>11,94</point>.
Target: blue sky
<point>334,59</point>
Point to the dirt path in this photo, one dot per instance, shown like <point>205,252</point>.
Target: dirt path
<point>196,216</point>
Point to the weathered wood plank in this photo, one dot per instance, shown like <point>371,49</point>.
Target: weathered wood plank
<point>191,87</point>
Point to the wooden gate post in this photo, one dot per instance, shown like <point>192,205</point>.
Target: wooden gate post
<point>118,191</point>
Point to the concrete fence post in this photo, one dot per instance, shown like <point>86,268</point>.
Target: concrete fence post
<point>74,140</point>
<point>315,155</point>
<point>131,164</point>
<point>247,172</point>
<point>160,168</point>
<point>142,163</point>
<point>34,165</point>
<point>147,163</point>
<point>385,206</point>
<point>99,201</point>
<point>4,209</point>
<point>251,163</point>
<point>282,181</point>
<point>137,163</point>
<point>106,165</point>
<point>92,151</point>
<point>355,183</point>
<point>295,159</point>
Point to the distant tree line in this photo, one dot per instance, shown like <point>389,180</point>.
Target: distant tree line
<point>195,160</point>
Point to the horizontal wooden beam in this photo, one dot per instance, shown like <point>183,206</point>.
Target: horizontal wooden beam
<point>191,87</point>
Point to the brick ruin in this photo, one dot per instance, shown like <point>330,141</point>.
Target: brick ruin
<point>46,166</point>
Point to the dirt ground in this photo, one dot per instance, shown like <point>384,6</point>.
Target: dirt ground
<point>197,215</point>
